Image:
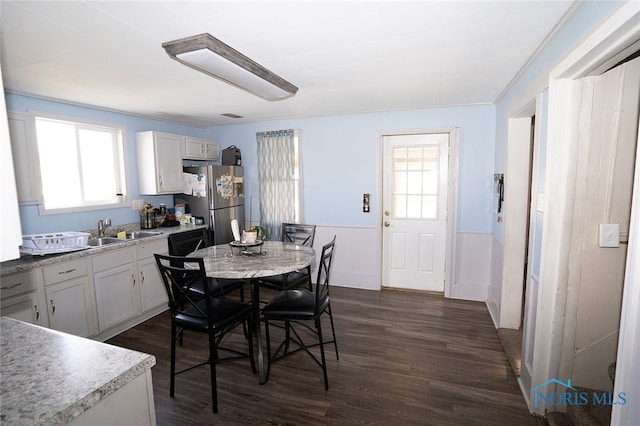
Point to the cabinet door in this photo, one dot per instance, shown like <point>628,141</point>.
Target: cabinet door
<point>117,298</point>
<point>194,148</point>
<point>26,307</point>
<point>168,163</point>
<point>152,291</point>
<point>212,150</point>
<point>69,307</point>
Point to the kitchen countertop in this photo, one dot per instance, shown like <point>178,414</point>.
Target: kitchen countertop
<point>26,262</point>
<point>49,377</point>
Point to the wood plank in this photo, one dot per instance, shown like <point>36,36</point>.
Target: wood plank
<point>405,358</point>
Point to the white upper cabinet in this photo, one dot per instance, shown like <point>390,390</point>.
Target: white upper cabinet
<point>25,162</point>
<point>159,163</point>
<point>200,149</point>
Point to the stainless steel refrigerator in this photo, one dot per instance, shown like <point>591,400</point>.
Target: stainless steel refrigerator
<point>218,197</point>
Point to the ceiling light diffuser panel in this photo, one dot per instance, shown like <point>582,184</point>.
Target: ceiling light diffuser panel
<point>211,56</point>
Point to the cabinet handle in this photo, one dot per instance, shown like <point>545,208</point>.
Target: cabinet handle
<point>37,312</point>
<point>142,278</point>
<point>134,279</point>
<point>66,272</point>
<point>10,286</point>
<point>53,307</point>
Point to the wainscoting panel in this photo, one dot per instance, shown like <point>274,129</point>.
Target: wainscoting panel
<point>473,266</point>
<point>357,260</point>
<point>494,292</point>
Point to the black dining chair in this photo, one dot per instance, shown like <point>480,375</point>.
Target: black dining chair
<point>185,243</point>
<point>298,307</point>
<point>293,233</point>
<point>212,315</point>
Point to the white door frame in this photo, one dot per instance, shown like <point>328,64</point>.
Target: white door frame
<point>452,197</point>
<point>615,39</point>
<point>516,192</point>
<point>627,377</point>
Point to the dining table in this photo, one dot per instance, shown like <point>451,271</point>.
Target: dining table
<point>250,262</point>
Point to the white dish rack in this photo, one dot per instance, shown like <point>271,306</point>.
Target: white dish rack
<point>56,242</point>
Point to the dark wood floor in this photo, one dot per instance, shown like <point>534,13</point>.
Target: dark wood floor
<point>405,358</point>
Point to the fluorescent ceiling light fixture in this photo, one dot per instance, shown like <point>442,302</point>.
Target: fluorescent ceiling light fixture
<point>209,55</point>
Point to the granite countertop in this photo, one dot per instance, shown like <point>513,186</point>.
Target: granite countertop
<point>49,377</point>
<point>26,262</point>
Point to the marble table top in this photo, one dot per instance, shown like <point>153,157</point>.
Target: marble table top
<point>49,377</point>
<point>272,258</point>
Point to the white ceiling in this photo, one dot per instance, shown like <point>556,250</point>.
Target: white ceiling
<point>345,57</point>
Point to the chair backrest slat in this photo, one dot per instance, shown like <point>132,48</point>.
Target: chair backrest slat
<point>298,233</point>
<point>324,271</point>
<point>179,274</point>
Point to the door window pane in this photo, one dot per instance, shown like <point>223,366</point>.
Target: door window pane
<point>415,181</point>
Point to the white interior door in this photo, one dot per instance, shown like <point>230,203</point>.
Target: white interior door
<point>415,172</point>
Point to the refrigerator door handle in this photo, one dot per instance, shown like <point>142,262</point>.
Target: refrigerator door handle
<point>212,226</point>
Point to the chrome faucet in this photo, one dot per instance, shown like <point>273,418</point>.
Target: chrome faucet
<point>102,226</point>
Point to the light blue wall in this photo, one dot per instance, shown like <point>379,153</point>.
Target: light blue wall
<point>31,220</point>
<point>341,161</point>
<point>588,16</point>
<point>340,158</point>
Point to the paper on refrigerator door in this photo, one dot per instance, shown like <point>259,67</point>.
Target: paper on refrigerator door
<point>200,185</point>
<point>235,229</point>
<point>194,184</point>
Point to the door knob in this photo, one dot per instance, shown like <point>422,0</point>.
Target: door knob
<point>386,213</point>
<point>386,224</point>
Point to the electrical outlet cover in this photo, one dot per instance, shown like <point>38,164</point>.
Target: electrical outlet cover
<point>137,204</point>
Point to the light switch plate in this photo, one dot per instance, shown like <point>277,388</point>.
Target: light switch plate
<point>609,235</point>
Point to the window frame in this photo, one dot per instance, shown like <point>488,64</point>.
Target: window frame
<point>84,123</point>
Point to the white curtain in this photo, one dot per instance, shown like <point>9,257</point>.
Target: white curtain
<point>276,172</point>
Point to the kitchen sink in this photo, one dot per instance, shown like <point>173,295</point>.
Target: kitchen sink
<point>140,234</point>
<point>103,241</point>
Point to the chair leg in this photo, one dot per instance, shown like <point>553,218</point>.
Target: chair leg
<point>251,360</point>
<point>213,359</point>
<point>333,331</point>
<point>172,384</point>
<point>324,361</point>
<point>266,330</point>
<point>287,338</point>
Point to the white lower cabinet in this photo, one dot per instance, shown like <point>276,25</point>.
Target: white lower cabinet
<point>115,280</point>
<point>69,307</point>
<point>94,296</point>
<point>21,298</point>
<point>68,294</point>
<point>127,283</point>
<point>27,308</point>
<point>152,292</point>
